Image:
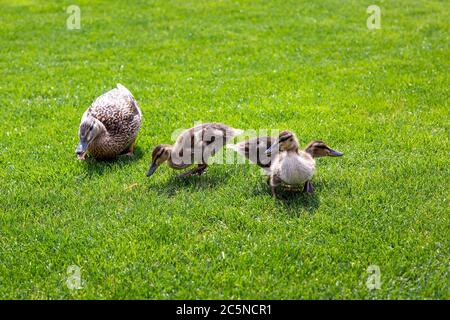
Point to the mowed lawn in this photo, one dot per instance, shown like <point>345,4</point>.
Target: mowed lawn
<point>313,67</point>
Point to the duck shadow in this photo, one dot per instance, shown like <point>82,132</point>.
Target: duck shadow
<point>295,202</point>
<point>100,167</point>
<point>207,181</point>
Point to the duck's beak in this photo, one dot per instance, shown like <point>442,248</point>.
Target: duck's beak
<point>334,153</point>
<point>152,169</point>
<point>81,150</point>
<point>273,147</point>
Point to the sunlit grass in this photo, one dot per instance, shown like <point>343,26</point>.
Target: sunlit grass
<point>313,67</point>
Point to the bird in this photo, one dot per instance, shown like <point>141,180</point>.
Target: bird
<point>193,146</point>
<point>282,160</point>
<point>109,126</point>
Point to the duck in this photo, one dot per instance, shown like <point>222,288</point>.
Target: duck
<point>282,161</point>
<point>193,146</point>
<point>110,125</point>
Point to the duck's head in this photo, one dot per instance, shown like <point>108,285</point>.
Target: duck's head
<point>90,129</point>
<point>160,154</point>
<point>319,148</point>
<point>286,141</point>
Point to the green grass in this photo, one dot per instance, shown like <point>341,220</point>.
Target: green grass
<point>313,67</point>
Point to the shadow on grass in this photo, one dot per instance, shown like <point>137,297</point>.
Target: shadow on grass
<point>295,202</point>
<point>211,179</point>
<point>100,167</point>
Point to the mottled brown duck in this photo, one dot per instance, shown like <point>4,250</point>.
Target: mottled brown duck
<point>109,126</point>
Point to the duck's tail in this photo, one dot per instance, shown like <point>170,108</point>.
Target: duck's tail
<point>122,88</point>
<point>236,132</point>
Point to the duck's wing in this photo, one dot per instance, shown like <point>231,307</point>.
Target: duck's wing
<point>132,101</point>
<point>255,150</point>
<point>209,132</point>
<point>117,110</point>
<point>204,140</point>
<point>206,134</point>
<point>215,135</point>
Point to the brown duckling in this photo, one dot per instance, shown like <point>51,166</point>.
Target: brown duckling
<point>282,160</point>
<point>193,146</point>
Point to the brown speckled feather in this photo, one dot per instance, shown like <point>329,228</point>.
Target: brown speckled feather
<point>118,111</point>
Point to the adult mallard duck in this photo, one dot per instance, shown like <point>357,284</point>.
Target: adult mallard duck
<point>282,160</point>
<point>193,146</point>
<point>110,125</point>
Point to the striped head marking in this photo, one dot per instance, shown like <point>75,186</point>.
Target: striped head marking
<point>286,141</point>
<point>318,148</point>
<point>160,154</point>
<point>88,131</point>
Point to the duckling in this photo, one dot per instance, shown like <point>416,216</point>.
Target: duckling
<point>193,146</point>
<point>254,149</point>
<point>282,160</point>
<point>109,126</point>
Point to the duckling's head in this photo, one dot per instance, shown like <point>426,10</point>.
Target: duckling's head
<point>160,154</point>
<point>319,148</point>
<point>90,129</point>
<point>286,141</point>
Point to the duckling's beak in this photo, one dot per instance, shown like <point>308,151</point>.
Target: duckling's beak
<point>81,149</point>
<point>275,146</point>
<point>152,169</point>
<point>334,153</point>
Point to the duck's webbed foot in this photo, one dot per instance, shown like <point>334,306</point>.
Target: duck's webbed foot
<point>185,174</point>
<point>274,183</point>
<point>274,192</point>
<point>200,169</point>
<point>196,171</point>
<point>130,151</point>
<point>81,157</point>
<point>308,187</point>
